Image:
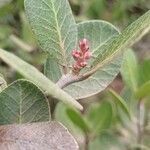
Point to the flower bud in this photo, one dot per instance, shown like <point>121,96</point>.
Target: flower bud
<point>76,66</point>
<point>81,56</point>
<point>84,45</point>
<point>87,55</point>
<point>83,64</point>
<point>76,54</point>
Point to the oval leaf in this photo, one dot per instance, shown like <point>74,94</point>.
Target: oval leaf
<point>37,136</point>
<point>23,102</point>
<point>98,33</point>
<point>54,25</point>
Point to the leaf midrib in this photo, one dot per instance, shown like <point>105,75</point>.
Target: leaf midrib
<point>59,34</point>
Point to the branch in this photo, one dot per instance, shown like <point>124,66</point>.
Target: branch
<point>68,79</point>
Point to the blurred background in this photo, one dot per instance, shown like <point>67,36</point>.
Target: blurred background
<point>116,131</point>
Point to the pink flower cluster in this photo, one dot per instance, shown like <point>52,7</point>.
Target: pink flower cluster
<point>81,56</point>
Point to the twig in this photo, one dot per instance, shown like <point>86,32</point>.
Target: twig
<point>21,44</point>
<point>68,79</point>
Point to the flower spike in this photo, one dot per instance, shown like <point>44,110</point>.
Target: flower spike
<point>81,56</point>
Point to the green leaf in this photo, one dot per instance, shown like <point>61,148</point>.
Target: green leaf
<point>100,117</point>
<point>127,38</point>
<point>120,102</point>
<point>61,115</point>
<point>52,69</point>
<point>144,71</point>
<point>129,70</point>
<point>78,120</point>
<point>143,91</point>
<point>54,25</point>
<point>3,83</point>
<point>31,73</point>
<point>106,141</point>
<point>98,33</point>
<point>23,102</point>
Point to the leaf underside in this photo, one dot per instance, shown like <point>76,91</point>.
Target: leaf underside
<point>23,102</point>
<point>41,136</point>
